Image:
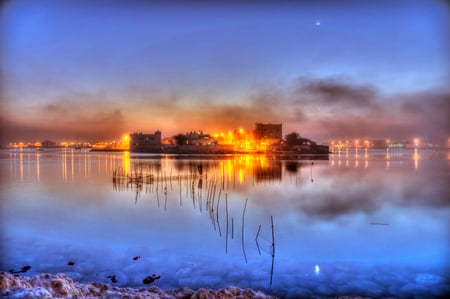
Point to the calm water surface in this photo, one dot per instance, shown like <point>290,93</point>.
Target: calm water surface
<point>372,223</point>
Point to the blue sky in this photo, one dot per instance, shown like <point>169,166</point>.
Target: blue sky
<point>371,69</point>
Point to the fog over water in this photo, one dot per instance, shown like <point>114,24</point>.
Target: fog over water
<point>371,223</point>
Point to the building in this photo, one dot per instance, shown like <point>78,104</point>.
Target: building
<point>199,138</point>
<point>270,132</point>
<point>140,142</point>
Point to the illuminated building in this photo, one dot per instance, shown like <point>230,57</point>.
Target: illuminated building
<point>140,142</point>
<point>270,132</point>
<point>199,138</point>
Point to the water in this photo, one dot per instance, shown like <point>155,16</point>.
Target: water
<point>373,223</point>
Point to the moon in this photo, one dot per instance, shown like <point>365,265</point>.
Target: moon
<point>317,23</point>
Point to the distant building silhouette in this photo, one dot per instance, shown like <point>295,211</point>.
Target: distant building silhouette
<point>140,142</point>
<point>271,133</point>
<point>48,144</point>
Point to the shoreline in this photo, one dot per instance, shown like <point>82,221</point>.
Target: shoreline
<point>62,286</point>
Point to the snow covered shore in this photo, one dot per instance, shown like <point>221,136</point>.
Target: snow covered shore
<point>61,286</point>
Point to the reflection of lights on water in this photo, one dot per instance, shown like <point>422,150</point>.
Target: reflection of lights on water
<point>247,161</point>
<point>388,157</point>
<point>263,162</point>
<point>21,164</point>
<point>317,269</point>
<point>64,165</point>
<point>416,158</point>
<point>29,164</point>
<point>85,164</point>
<point>241,176</point>
<point>229,169</point>
<point>126,162</point>
<point>11,172</point>
<point>166,159</point>
<point>366,156</point>
<point>72,165</point>
<point>38,167</point>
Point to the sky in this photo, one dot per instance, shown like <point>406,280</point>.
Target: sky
<point>326,69</point>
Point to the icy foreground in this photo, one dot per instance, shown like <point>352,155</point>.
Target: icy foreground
<point>61,286</point>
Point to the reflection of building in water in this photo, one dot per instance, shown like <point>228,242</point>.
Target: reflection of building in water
<point>140,142</point>
<point>270,172</point>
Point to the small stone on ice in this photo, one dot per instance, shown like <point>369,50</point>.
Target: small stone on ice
<point>150,279</point>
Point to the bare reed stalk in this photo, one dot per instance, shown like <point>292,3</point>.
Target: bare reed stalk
<point>217,214</point>
<point>226,209</point>
<point>243,225</point>
<point>273,250</point>
<point>256,239</point>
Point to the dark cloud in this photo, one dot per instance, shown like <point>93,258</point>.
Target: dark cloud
<point>337,108</point>
<point>332,91</point>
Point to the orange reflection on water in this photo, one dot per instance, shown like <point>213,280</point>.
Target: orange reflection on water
<point>229,169</point>
<point>416,158</point>
<point>73,168</point>
<point>38,167</point>
<point>262,161</point>
<point>388,157</point>
<point>64,164</point>
<point>21,164</point>
<point>126,162</point>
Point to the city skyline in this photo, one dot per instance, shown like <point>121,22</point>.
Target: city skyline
<point>72,69</point>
